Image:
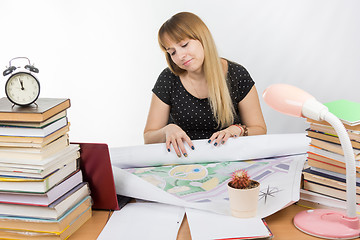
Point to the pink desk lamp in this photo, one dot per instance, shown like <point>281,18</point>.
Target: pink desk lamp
<point>322,223</point>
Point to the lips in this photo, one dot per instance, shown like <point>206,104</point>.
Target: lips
<point>187,62</point>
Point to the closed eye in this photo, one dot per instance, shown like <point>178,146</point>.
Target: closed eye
<point>185,44</point>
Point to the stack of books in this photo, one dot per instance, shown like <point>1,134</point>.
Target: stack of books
<point>42,193</point>
<point>324,182</point>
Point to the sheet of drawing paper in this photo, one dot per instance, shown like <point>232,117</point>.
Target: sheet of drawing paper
<point>149,172</point>
<point>204,185</point>
<point>206,225</point>
<point>142,221</point>
<point>235,149</point>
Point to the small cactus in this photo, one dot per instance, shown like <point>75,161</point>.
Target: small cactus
<point>240,179</point>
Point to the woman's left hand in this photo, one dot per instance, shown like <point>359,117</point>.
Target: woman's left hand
<point>220,137</point>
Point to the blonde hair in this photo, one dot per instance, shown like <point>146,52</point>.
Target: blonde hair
<point>188,25</point>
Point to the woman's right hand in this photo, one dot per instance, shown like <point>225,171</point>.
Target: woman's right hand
<point>176,137</point>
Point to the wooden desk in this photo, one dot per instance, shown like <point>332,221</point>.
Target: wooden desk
<point>280,224</point>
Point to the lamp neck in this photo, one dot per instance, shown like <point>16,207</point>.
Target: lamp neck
<point>314,109</point>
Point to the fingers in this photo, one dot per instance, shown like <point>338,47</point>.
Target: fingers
<point>176,148</point>
<point>178,144</point>
<point>182,147</point>
<point>220,137</point>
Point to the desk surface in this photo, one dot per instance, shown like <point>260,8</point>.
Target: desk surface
<point>279,223</point>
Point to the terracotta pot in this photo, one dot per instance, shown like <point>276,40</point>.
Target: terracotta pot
<point>244,202</point>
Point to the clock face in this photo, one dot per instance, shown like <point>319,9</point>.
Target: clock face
<point>22,88</point>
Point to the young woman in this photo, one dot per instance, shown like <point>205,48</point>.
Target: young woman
<point>199,96</point>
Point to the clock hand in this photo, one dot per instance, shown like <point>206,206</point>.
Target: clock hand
<point>21,83</point>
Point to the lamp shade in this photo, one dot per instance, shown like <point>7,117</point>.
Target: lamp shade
<point>286,99</point>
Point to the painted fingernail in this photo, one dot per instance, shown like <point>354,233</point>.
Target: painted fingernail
<point>179,155</point>
<point>168,149</point>
<point>215,144</point>
<point>192,147</point>
<point>185,155</point>
<point>209,141</point>
<point>235,135</point>
<point>222,142</point>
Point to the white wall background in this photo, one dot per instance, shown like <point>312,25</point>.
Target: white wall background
<point>104,55</point>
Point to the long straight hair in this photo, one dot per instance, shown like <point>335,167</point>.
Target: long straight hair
<point>187,25</point>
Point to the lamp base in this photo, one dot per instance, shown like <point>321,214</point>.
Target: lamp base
<point>329,224</point>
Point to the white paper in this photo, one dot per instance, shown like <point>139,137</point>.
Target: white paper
<point>205,225</point>
<point>144,221</point>
<point>242,148</point>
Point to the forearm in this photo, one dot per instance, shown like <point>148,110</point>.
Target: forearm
<point>154,136</point>
<point>256,130</point>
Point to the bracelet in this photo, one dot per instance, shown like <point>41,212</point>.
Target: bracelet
<point>241,129</point>
<point>246,132</point>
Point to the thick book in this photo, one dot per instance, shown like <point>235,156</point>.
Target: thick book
<point>43,109</point>
<point>43,235</point>
<point>336,162</point>
<point>354,128</point>
<point>35,124</point>
<point>43,168</point>
<point>36,185</point>
<point>46,225</point>
<point>33,141</point>
<point>316,200</point>
<point>327,179</point>
<point>353,135</point>
<point>327,190</point>
<point>329,166</point>
<point>44,131</point>
<point>330,154</point>
<point>54,211</point>
<point>332,147</point>
<point>62,142</point>
<point>43,199</point>
<point>29,146</point>
<point>36,162</point>
<point>329,138</point>
<point>35,153</point>
<point>34,171</point>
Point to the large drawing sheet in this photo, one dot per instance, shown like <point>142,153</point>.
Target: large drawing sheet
<point>149,172</point>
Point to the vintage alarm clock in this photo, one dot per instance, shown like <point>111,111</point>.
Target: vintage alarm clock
<point>22,86</point>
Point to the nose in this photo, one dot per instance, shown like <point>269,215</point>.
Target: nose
<point>182,53</point>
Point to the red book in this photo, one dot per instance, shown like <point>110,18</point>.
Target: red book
<point>97,171</point>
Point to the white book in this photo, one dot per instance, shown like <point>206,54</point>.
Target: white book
<point>53,211</point>
<point>19,170</point>
<point>323,199</point>
<point>60,141</point>
<point>35,153</point>
<point>333,147</point>
<point>43,199</point>
<point>33,132</point>
<point>41,162</point>
<point>329,154</point>
<point>36,185</point>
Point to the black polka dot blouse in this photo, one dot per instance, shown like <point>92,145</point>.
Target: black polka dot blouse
<point>192,114</point>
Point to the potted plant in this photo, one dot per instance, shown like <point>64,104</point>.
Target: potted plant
<point>243,194</point>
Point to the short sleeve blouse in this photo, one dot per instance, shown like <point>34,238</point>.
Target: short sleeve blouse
<point>192,114</point>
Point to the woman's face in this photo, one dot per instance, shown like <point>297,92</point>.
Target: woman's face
<point>188,54</point>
